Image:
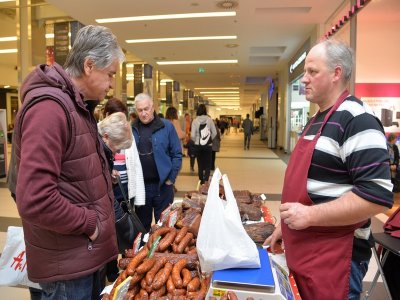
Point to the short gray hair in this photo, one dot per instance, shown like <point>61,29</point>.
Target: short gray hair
<point>96,43</point>
<point>118,129</point>
<point>339,54</point>
<point>143,96</point>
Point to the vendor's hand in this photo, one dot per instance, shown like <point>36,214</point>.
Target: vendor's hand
<point>274,239</point>
<point>295,215</point>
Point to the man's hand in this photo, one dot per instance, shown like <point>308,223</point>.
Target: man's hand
<point>295,215</point>
<point>94,235</point>
<point>274,239</point>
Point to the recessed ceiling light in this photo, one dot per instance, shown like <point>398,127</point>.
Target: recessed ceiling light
<point>167,17</point>
<point>210,92</point>
<point>180,39</point>
<point>2,51</point>
<point>160,58</point>
<point>217,88</point>
<point>193,62</point>
<point>231,45</point>
<point>8,38</point>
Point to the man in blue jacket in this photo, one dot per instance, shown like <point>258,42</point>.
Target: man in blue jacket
<point>160,154</point>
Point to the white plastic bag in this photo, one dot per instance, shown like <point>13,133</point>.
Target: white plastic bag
<point>13,260</point>
<point>222,242</point>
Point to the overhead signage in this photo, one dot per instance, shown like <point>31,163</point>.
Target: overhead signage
<point>301,58</point>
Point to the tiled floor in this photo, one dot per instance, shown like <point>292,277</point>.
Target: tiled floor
<point>259,170</point>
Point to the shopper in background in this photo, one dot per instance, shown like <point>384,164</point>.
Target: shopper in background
<point>216,145</point>
<point>337,178</point>
<point>160,154</point>
<point>202,133</point>
<point>248,129</point>
<point>172,115</point>
<point>132,117</point>
<point>127,163</point>
<point>394,160</point>
<point>64,190</point>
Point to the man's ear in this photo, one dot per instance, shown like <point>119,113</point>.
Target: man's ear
<point>88,66</point>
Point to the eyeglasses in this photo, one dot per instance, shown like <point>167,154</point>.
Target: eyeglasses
<point>144,110</point>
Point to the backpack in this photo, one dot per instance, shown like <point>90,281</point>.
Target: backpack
<point>205,135</point>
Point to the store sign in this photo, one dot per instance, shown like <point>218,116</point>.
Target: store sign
<point>301,58</point>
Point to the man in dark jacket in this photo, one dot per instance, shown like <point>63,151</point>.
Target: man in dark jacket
<point>64,190</point>
<point>248,131</point>
<point>160,154</point>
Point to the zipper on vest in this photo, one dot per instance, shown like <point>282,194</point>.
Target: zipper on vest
<point>90,245</point>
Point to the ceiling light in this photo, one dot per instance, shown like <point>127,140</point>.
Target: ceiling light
<point>232,92</point>
<point>218,88</point>
<point>193,62</point>
<point>166,17</point>
<point>8,38</point>
<point>231,45</point>
<point>7,86</point>
<point>180,39</point>
<point>2,51</point>
<point>7,0</point>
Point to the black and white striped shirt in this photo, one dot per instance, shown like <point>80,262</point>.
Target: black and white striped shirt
<point>350,155</point>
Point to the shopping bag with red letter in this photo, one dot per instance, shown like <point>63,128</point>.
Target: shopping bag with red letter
<point>13,260</point>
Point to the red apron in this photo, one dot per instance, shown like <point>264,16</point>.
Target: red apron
<point>319,257</point>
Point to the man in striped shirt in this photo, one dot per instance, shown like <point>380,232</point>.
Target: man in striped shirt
<point>346,181</point>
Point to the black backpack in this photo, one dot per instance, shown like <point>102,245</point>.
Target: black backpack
<point>205,135</point>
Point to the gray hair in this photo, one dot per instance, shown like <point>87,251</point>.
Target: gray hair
<point>143,96</point>
<point>96,43</point>
<point>339,54</point>
<point>118,129</point>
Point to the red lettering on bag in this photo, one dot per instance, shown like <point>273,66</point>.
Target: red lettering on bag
<point>19,262</point>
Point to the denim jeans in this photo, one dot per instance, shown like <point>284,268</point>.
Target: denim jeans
<point>358,271</point>
<point>83,288</point>
<point>157,198</point>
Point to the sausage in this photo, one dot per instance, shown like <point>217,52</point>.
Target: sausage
<point>129,253</point>
<point>192,259</point>
<point>232,296</point>
<point>145,286</point>
<point>176,273</point>
<point>159,232</point>
<point>181,234</point>
<point>143,294</point>
<point>146,265</point>
<point>194,285</point>
<point>167,240</point>
<point>130,294</point>
<point>153,271</point>
<point>155,294</point>
<point>192,251</point>
<point>184,242</point>
<point>170,285</point>
<point>162,276</point>
<point>186,277</point>
<point>130,269</point>
<point>135,279</point>
<point>106,297</point>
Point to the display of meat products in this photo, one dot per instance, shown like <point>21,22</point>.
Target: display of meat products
<point>191,218</point>
<point>242,196</point>
<point>192,260</point>
<point>194,202</point>
<point>250,212</point>
<point>258,232</point>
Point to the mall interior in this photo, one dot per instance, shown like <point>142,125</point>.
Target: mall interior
<point>246,57</point>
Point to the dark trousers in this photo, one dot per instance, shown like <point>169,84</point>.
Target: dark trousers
<point>213,155</point>
<point>157,199</point>
<point>204,160</point>
<point>247,137</point>
<point>192,161</point>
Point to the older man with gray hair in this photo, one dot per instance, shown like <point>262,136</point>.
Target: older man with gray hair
<point>160,154</point>
<point>64,190</point>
